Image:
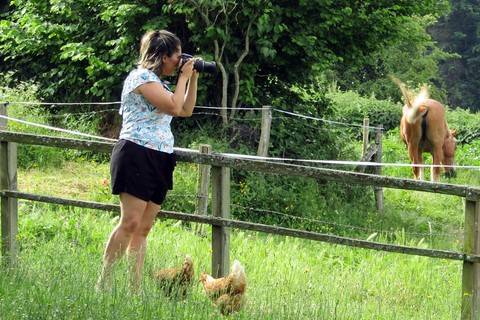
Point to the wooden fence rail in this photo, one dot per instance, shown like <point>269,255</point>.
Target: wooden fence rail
<point>240,163</point>
<point>221,222</point>
<point>229,223</point>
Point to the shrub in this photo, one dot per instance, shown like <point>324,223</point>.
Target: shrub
<point>466,123</point>
<point>350,107</point>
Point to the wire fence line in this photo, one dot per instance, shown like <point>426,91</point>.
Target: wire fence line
<point>322,222</point>
<point>53,104</point>
<point>342,162</point>
<point>68,114</point>
<point>73,132</point>
<point>252,157</point>
<point>258,158</point>
<point>326,120</point>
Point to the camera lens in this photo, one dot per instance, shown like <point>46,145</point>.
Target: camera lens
<point>205,66</point>
<point>200,65</point>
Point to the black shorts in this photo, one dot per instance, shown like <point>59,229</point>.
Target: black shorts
<point>142,172</point>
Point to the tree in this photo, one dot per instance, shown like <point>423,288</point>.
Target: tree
<point>263,43</point>
<point>412,56</point>
<point>76,50</point>
<point>459,33</point>
<point>82,49</point>
<point>215,15</point>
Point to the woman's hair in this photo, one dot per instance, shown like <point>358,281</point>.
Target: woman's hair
<point>154,45</point>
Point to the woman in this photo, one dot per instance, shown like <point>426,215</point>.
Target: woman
<point>142,160</point>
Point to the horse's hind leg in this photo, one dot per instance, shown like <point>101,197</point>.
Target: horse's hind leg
<point>437,161</point>
<point>420,169</point>
<point>413,153</point>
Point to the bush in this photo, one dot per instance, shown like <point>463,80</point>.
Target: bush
<point>466,123</point>
<point>36,156</point>
<point>295,137</point>
<point>301,203</point>
<point>352,108</point>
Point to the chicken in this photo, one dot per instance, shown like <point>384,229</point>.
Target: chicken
<point>227,303</point>
<point>227,293</point>
<point>175,281</point>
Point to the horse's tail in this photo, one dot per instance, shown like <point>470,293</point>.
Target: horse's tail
<point>414,112</point>
<point>407,94</point>
<point>414,109</point>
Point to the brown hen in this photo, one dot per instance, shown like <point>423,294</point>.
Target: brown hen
<point>176,281</point>
<point>227,293</point>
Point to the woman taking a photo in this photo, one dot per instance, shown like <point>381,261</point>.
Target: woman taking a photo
<point>142,160</point>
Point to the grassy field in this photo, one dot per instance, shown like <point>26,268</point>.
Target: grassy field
<point>61,247</point>
<point>288,278</point>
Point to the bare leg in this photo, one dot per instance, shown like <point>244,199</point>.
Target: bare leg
<point>132,210</point>
<point>138,244</point>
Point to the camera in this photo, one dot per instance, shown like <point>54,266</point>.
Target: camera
<point>200,65</point>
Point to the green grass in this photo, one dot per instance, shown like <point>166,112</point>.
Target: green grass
<point>61,249</point>
<point>288,278</point>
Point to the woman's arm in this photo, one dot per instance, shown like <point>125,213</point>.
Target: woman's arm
<point>173,103</point>
<point>191,96</point>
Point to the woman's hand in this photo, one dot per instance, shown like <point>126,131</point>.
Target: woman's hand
<point>186,70</point>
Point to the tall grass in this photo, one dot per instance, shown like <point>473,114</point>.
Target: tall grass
<point>288,278</point>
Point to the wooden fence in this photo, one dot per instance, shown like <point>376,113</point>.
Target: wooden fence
<point>220,218</point>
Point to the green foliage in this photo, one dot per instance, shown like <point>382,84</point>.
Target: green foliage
<point>466,123</point>
<point>33,156</point>
<point>81,50</point>
<point>458,33</point>
<point>310,34</point>
<point>294,137</point>
<point>302,203</point>
<point>411,55</point>
<point>351,107</point>
<point>75,50</point>
<point>28,156</point>
<point>296,197</point>
<point>183,197</point>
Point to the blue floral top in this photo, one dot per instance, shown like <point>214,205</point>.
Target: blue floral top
<point>142,123</point>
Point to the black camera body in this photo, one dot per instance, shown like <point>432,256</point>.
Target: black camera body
<point>200,65</point>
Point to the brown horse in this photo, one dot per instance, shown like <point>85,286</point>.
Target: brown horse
<point>423,128</point>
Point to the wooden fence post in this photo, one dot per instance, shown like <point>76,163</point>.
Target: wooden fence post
<point>471,271</point>
<point>202,189</point>
<point>9,206</point>
<point>365,136</point>
<point>265,131</point>
<point>378,170</point>
<point>220,208</point>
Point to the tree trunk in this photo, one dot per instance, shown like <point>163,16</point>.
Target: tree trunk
<point>223,106</point>
<point>236,67</point>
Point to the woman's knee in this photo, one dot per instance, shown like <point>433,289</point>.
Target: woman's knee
<point>129,226</point>
<point>144,229</point>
